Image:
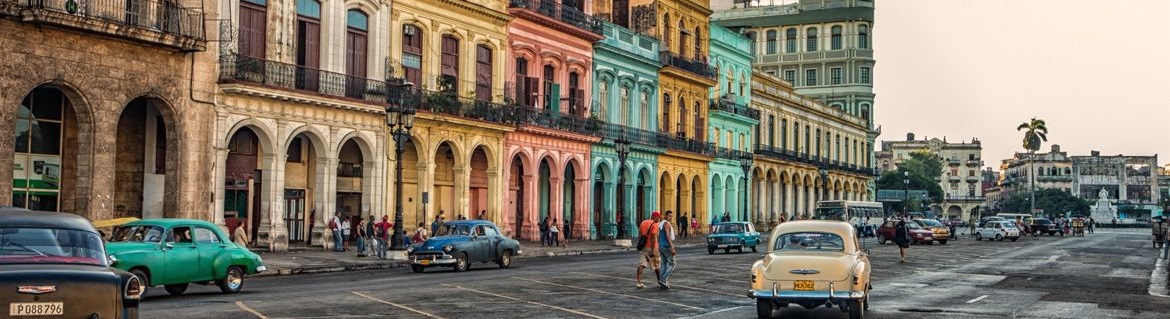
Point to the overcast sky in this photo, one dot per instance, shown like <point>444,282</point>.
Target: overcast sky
<point>1097,71</point>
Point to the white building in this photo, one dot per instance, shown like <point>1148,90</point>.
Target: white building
<point>961,171</point>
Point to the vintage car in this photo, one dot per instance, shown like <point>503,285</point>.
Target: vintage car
<point>888,231</point>
<point>941,233</point>
<point>460,243</point>
<point>58,267</point>
<point>732,235</point>
<point>812,263</point>
<point>998,230</point>
<point>176,252</point>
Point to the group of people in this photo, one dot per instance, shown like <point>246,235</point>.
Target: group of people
<point>550,233</point>
<point>361,231</point>
<point>656,244</point>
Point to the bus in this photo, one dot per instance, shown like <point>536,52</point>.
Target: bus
<point>852,212</point>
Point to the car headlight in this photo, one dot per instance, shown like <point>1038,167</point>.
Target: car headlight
<point>448,248</point>
<point>133,288</point>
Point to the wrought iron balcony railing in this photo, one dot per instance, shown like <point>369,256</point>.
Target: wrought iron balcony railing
<point>730,154</point>
<point>699,68</point>
<point>685,144</point>
<point>733,107</point>
<point>447,102</point>
<point>559,121</point>
<point>163,16</point>
<point>821,162</point>
<point>618,132</point>
<point>349,170</point>
<point>244,69</point>
<point>555,10</point>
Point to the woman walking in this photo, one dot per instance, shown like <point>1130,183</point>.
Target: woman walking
<point>902,238</point>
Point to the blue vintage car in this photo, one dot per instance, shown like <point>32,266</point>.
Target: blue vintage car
<point>460,243</point>
<point>733,235</point>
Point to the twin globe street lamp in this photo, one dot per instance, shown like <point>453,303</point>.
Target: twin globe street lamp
<point>745,161</point>
<point>622,146</point>
<point>400,119</point>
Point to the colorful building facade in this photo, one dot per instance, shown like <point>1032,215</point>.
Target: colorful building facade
<point>732,124</point>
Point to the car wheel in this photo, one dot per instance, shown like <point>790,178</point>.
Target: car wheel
<point>998,237</point>
<point>763,308</point>
<point>754,248</point>
<point>233,281</point>
<point>857,309</point>
<point>710,251</point>
<point>417,269</point>
<point>978,237</point>
<point>881,240</point>
<point>505,259</point>
<point>942,242</point>
<point>176,289</point>
<point>142,277</point>
<point>727,250</point>
<point>461,263</point>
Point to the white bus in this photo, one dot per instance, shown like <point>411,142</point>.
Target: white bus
<point>852,212</point>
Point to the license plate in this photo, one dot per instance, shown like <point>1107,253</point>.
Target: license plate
<point>36,309</point>
<point>424,262</point>
<point>804,285</point>
<point>722,246</point>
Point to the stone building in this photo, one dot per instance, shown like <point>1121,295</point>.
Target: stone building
<point>1051,170</point>
<point>110,108</point>
<point>1130,183</point>
<point>732,123</point>
<point>961,178</point>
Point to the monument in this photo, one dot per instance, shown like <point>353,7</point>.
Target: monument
<point>1103,211</point>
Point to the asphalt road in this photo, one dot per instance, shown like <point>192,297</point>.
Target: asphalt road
<point>1104,275</point>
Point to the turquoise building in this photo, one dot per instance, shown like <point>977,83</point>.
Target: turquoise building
<point>732,123</point>
<point>625,66</point>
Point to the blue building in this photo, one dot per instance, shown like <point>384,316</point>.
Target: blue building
<point>732,123</point>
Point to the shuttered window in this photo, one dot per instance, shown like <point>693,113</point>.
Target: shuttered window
<point>449,64</point>
<point>355,53</point>
<point>253,19</point>
<point>483,73</point>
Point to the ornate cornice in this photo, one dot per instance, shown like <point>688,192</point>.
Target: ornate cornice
<point>497,16</point>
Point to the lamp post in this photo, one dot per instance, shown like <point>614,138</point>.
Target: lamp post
<point>622,146</point>
<point>400,119</point>
<point>824,184</point>
<point>905,192</point>
<point>745,161</point>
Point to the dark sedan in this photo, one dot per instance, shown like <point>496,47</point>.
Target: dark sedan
<point>54,264</point>
<point>1044,226</point>
<point>460,243</point>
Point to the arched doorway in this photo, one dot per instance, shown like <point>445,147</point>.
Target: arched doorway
<point>302,184</point>
<point>678,196</point>
<point>477,189</point>
<point>642,182</point>
<point>602,210</point>
<point>243,181</point>
<point>646,192</point>
<point>569,192</point>
<point>146,171</point>
<point>954,211</point>
<point>413,211</point>
<point>516,195</point>
<point>544,189</point>
<point>696,192</point>
<point>666,193</point>
<point>717,194</point>
<point>45,166</point>
<point>350,174</point>
<point>443,196</point>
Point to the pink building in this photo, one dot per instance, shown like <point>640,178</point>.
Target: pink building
<point>550,62</point>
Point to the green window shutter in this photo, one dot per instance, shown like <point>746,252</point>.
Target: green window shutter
<point>554,97</point>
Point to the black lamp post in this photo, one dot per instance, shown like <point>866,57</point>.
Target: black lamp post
<point>905,192</point>
<point>400,119</point>
<point>622,146</point>
<point>745,161</point>
<point>824,184</point>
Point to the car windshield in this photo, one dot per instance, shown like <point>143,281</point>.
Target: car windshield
<point>137,234</point>
<point>1008,225</point>
<point>26,245</point>
<point>809,241</point>
<point>729,228</point>
<point>931,222</point>
<point>913,225</point>
<point>455,230</point>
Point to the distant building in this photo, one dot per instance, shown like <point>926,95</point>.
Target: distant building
<point>1053,171</point>
<point>1131,183</point>
<point>961,173</point>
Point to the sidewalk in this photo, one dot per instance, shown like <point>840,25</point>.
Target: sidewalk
<point>314,259</point>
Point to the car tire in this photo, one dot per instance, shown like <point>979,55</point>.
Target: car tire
<point>142,277</point>
<point>754,249</point>
<point>764,308</point>
<point>176,289</point>
<point>857,309</point>
<point>417,269</point>
<point>978,237</point>
<point>942,242</point>
<point>882,240</point>
<point>232,281</point>
<point>727,250</point>
<point>505,259</point>
<point>710,251</point>
<point>461,263</point>
<point>998,237</point>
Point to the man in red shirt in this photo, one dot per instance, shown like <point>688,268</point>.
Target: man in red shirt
<point>383,235</point>
<point>649,257</point>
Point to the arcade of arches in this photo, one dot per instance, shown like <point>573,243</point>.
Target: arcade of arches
<point>781,191</point>
<point>548,177</point>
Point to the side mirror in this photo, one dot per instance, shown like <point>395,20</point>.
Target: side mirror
<point>110,259</point>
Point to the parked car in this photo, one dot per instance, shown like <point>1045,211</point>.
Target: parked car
<point>733,235</point>
<point>887,232</point>
<point>998,230</point>
<point>1044,226</point>
<point>174,253</point>
<point>812,263</point>
<point>460,243</point>
<point>59,268</point>
<point>939,232</point>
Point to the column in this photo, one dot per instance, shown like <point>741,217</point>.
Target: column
<point>789,199</point>
<point>556,199</point>
<point>530,230</point>
<point>630,199</point>
<point>462,179</point>
<point>581,211</point>
<point>221,154</point>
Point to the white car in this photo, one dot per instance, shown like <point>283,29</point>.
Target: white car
<point>998,230</point>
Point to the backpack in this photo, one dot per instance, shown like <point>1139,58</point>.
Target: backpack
<point>332,223</point>
<point>642,239</point>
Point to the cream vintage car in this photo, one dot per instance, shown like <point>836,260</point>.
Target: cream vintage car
<point>811,264</point>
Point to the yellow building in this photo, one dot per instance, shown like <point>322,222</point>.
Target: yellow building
<point>454,53</point>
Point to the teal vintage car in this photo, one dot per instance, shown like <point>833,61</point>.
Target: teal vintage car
<point>461,243</point>
<point>732,235</point>
<point>176,252</point>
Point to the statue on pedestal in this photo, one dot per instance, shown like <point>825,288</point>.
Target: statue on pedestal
<point>1103,210</point>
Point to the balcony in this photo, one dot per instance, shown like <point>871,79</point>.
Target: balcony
<point>730,154</point>
<point>953,162</point>
<point>974,163</point>
<point>448,103</point>
<point>1054,178</point>
<point>732,107</point>
<point>974,179</point>
<point>964,198</point>
<point>954,178</point>
<point>552,9</point>
<point>558,121</point>
<point>151,21</point>
<point>243,69</point>
<point>696,67</point>
<point>349,170</point>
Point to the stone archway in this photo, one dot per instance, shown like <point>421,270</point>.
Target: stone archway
<point>304,183</point>
<point>604,224</point>
<point>446,182</point>
<point>146,150</point>
<point>477,187</point>
<point>52,143</point>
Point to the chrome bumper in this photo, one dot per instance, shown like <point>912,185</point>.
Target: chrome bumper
<point>261,268</point>
<point>789,295</point>
<point>444,259</point>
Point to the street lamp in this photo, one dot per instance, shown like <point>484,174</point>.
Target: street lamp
<point>400,119</point>
<point>745,161</point>
<point>824,184</point>
<point>906,192</point>
<point>623,150</point>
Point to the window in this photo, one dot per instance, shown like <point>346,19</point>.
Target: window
<point>790,76</point>
<point>847,158</point>
<point>666,113</point>
<point>526,87</point>
<point>682,117</point>
<point>37,163</point>
<point>835,38</point>
<point>796,135</point>
<point>772,130</point>
<point>294,150</point>
<point>624,104</point>
<point>837,148</point>
<point>790,40</point>
<point>205,236</point>
<point>810,77</point>
<point>784,133</point>
<point>253,21</point>
<point>602,100</point>
<point>552,90</point>
<point>835,75</point>
<point>752,38</point>
<point>483,73</point>
<point>308,44</point>
<point>698,44</point>
<point>818,142</point>
<point>449,65</point>
<point>355,53</point>
<point>863,36</point>
<point>412,54</point>
<point>811,40</point>
<point>181,235</point>
<point>698,134</point>
<point>666,32</point>
<point>808,139</point>
<point>863,75</point>
<point>771,44</point>
<point>644,105</point>
<point>576,95</point>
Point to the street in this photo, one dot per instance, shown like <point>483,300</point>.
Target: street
<point>1102,275</point>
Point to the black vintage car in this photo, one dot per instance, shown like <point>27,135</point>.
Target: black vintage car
<point>461,243</point>
<point>1044,226</point>
<point>55,265</point>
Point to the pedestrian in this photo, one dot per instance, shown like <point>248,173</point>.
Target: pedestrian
<point>359,233</point>
<point>420,234</point>
<point>726,217</point>
<point>345,233</point>
<point>544,231</point>
<point>1091,225</point>
<point>953,223</point>
<point>554,234</point>
<point>383,234</point>
<point>902,238</point>
<point>681,220</point>
<point>649,252</point>
<point>438,222</point>
<point>335,227</point>
<point>1060,223</point>
<point>666,250</point>
<point>240,236</point>
<point>714,221</point>
<point>694,225</point>
<point>483,214</point>
<point>371,239</point>
<point>312,220</point>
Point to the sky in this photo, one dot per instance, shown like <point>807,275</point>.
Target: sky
<point>1098,72</point>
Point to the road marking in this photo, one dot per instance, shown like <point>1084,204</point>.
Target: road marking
<point>672,286</point>
<point>1053,258</point>
<point>608,293</point>
<point>250,310</point>
<point>977,299</point>
<point>527,301</point>
<point>397,305</point>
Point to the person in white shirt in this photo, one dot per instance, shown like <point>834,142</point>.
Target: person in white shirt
<point>345,228</point>
<point>335,227</point>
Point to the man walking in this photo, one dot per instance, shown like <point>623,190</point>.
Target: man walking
<point>335,226</point>
<point>666,249</point>
<point>682,225</point>
<point>383,234</point>
<point>371,237</point>
<point>435,224</point>
<point>649,254</point>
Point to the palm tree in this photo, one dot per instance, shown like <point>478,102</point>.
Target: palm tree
<point>1035,133</point>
